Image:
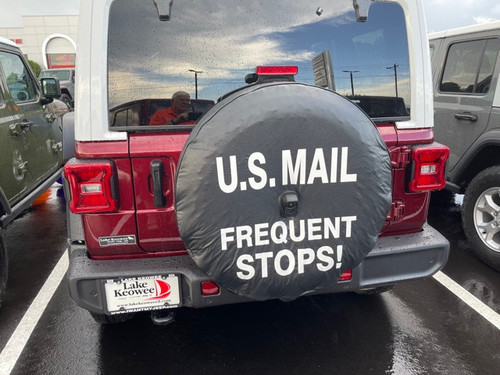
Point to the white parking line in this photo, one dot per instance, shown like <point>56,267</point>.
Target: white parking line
<point>21,335</point>
<point>18,340</point>
<point>486,312</point>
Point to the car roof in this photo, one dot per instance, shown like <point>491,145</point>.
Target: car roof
<point>465,30</point>
<point>8,42</point>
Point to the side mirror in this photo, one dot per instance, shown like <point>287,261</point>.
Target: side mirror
<point>50,89</point>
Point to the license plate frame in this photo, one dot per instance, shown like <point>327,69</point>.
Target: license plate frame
<point>141,293</point>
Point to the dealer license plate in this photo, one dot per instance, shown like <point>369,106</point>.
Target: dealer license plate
<point>142,293</point>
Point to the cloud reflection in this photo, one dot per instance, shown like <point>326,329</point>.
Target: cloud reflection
<point>224,39</point>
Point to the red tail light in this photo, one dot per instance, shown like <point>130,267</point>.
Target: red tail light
<point>91,186</point>
<point>429,165</point>
<point>346,276</point>
<point>209,288</point>
<point>276,70</point>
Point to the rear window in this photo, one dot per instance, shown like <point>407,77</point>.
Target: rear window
<point>207,48</point>
<point>61,75</point>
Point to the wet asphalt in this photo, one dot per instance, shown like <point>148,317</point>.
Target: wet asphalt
<point>419,327</point>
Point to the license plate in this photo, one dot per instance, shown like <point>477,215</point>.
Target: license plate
<point>142,293</point>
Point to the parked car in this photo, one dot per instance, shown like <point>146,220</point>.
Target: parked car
<point>283,188</point>
<point>66,77</point>
<point>139,112</point>
<point>31,139</point>
<point>466,66</point>
<point>381,106</point>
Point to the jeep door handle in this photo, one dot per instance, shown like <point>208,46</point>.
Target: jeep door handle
<point>25,124</point>
<point>157,173</point>
<point>467,116</point>
<point>20,127</point>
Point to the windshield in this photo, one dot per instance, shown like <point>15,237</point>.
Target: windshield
<point>207,48</point>
<point>61,75</point>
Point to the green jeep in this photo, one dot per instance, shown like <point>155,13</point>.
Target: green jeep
<point>31,139</point>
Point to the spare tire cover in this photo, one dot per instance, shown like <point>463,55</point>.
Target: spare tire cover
<point>278,140</point>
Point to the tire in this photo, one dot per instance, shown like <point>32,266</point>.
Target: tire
<point>66,100</point>
<point>262,168</point>
<point>3,268</point>
<point>481,216</point>
<point>111,319</point>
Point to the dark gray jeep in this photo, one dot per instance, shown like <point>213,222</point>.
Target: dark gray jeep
<point>465,67</point>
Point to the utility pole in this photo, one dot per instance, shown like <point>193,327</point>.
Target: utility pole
<point>395,67</point>
<point>196,72</point>
<point>352,83</point>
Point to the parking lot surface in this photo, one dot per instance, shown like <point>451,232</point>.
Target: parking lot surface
<point>447,324</point>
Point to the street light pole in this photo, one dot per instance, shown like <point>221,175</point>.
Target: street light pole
<point>352,83</point>
<point>395,67</point>
<point>195,81</point>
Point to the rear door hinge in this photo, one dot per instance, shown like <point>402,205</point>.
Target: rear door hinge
<point>400,157</point>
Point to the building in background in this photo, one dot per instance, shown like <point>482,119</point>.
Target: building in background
<point>48,40</point>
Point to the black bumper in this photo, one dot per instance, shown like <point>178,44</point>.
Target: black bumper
<point>394,259</point>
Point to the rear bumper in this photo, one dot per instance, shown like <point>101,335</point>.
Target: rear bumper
<point>394,259</point>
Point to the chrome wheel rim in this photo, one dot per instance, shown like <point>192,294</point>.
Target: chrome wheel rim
<point>487,218</point>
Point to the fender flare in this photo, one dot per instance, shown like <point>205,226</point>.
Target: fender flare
<point>490,138</point>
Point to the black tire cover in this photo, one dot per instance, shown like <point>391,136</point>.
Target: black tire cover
<point>269,141</point>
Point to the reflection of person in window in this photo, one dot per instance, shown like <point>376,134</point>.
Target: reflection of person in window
<point>177,113</point>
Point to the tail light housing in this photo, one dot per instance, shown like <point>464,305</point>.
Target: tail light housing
<point>272,73</point>
<point>277,70</point>
<point>346,275</point>
<point>209,288</point>
<point>429,165</point>
<point>91,185</point>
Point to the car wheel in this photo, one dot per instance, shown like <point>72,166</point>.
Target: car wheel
<point>481,216</point>
<point>3,268</point>
<point>66,100</point>
<point>280,188</point>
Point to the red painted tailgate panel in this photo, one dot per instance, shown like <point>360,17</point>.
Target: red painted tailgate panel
<point>156,226</point>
